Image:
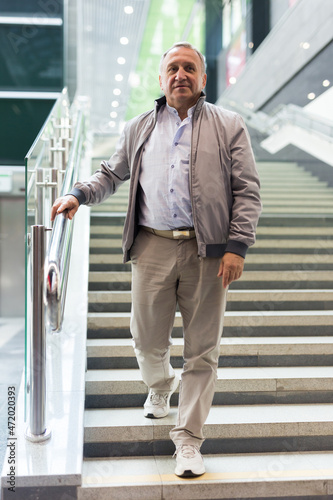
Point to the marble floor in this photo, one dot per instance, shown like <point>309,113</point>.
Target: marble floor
<point>11,368</point>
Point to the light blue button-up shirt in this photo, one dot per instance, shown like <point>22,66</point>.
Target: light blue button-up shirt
<point>165,201</point>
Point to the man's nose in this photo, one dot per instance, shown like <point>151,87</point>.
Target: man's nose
<point>181,75</point>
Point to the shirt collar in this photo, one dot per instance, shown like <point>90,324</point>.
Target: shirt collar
<point>174,112</point>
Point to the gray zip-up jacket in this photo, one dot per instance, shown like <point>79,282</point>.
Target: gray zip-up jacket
<point>224,182</point>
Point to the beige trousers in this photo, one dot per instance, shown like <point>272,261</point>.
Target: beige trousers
<point>167,272</point>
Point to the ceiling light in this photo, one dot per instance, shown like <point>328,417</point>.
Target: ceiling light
<point>305,45</point>
<point>134,80</point>
<point>119,78</point>
<point>112,124</point>
<point>311,96</point>
<point>124,40</point>
<point>117,91</point>
<point>115,104</point>
<point>121,60</point>
<point>113,114</point>
<point>128,9</point>
<point>251,45</point>
<point>326,83</point>
<point>232,80</point>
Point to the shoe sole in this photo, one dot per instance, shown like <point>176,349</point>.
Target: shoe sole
<point>151,415</point>
<point>189,473</point>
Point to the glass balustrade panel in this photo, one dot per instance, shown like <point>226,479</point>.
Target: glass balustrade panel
<point>44,174</point>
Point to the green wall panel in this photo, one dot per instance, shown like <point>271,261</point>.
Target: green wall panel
<point>166,24</point>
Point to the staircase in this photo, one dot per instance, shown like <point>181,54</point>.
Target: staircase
<point>270,431</point>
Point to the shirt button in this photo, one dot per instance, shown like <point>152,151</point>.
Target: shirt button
<point>174,215</point>
<point>171,190</point>
<point>172,166</point>
<point>177,123</point>
<point>176,143</point>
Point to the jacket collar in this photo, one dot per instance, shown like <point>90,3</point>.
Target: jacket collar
<point>162,100</point>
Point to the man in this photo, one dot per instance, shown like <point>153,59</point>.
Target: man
<point>193,209</point>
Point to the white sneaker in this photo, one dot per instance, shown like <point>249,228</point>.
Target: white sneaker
<point>157,405</point>
<point>189,461</point>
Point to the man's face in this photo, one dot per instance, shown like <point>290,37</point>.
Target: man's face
<point>181,78</point>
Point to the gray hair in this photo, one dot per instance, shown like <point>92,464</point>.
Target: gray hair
<point>187,45</point>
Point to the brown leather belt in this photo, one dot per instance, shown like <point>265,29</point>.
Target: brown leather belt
<point>175,234</point>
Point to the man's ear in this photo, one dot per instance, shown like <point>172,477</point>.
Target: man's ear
<point>160,80</point>
<point>204,81</point>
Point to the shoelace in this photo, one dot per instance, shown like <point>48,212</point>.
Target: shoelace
<point>158,399</point>
<point>187,451</point>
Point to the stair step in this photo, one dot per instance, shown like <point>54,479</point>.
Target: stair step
<point>254,346</point>
<point>110,229</point>
<point>248,421</point>
<point>250,259</point>
<point>235,351</point>
<point>314,244</point>
<point>238,300</point>
<point>248,276</point>
<point>233,296</point>
<point>234,476</point>
<point>232,319</point>
<point>261,230</point>
<point>119,388</point>
<point>294,220</point>
<point>300,196</point>
<point>323,243</point>
<point>295,279</point>
<point>247,428</point>
<point>305,211</point>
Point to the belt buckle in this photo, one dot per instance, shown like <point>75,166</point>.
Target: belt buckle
<point>179,234</point>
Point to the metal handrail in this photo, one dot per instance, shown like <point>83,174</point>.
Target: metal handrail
<point>290,113</point>
<point>59,251</point>
<point>297,116</point>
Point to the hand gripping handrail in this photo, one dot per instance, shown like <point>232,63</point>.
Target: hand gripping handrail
<point>59,251</point>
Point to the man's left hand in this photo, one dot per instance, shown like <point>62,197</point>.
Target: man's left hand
<point>231,268</point>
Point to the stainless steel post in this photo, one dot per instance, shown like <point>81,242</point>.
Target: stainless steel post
<point>37,430</point>
<point>54,188</point>
<point>40,196</point>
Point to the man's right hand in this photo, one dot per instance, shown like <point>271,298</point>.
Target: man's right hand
<point>68,203</point>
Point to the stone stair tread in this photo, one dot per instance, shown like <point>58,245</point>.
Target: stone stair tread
<point>231,318</point>
<point>233,295</point>
<point>293,243</point>
<point>228,313</point>
<point>225,373</point>
<point>98,216</point>
<point>238,379</point>
<point>229,415</point>
<point>298,211</point>
<point>251,258</point>
<point>260,243</point>
<point>264,475</point>
<point>297,275</point>
<point>239,422</point>
<point>284,231</point>
<point>230,346</point>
